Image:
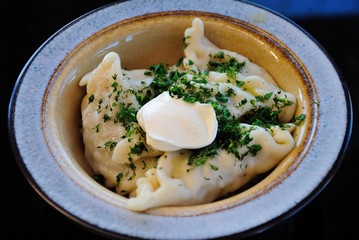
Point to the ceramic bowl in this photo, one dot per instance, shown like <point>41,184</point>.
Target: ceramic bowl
<point>48,96</point>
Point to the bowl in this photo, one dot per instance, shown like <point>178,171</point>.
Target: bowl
<point>50,150</point>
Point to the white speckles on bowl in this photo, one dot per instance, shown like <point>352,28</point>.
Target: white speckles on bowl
<point>47,95</point>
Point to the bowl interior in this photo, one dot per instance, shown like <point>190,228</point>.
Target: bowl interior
<point>151,39</point>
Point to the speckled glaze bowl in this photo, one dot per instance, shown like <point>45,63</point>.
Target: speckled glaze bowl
<point>50,149</point>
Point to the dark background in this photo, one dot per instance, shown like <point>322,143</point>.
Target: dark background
<point>333,214</point>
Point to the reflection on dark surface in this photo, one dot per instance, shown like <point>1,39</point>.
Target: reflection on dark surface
<point>333,214</point>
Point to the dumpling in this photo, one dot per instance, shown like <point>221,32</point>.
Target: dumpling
<point>200,51</point>
<point>107,139</point>
<point>174,182</point>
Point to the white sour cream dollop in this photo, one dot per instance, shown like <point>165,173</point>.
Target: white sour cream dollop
<point>172,124</point>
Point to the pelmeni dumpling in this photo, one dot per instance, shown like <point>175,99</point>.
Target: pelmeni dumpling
<point>107,142</point>
<point>173,182</point>
<point>200,50</point>
<point>253,125</point>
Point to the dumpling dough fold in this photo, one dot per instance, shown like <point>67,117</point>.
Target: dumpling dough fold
<point>174,183</point>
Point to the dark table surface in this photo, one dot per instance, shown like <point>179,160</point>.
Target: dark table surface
<point>333,214</point>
